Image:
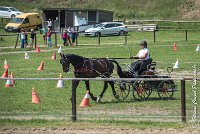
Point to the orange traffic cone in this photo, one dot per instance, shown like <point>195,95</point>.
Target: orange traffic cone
<point>41,67</point>
<point>35,97</point>
<point>6,66</point>
<point>12,76</point>
<point>37,49</point>
<point>8,83</point>
<point>53,56</point>
<point>5,74</point>
<point>175,47</point>
<point>85,101</point>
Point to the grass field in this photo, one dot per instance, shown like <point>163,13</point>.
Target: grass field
<point>16,101</point>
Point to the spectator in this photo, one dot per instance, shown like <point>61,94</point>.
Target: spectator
<point>49,24</point>
<point>32,37</point>
<point>49,37</point>
<point>66,37</point>
<point>22,38</point>
<point>73,36</point>
<point>44,33</point>
<point>26,38</point>
<point>69,31</point>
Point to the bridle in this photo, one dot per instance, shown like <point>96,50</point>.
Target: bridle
<point>65,60</point>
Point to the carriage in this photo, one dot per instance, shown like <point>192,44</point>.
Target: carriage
<point>103,67</point>
<point>141,89</point>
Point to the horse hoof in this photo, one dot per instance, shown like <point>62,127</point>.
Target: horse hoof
<point>98,99</point>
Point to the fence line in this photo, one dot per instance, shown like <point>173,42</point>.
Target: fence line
<point>73,100</point>
<point>101,79</point>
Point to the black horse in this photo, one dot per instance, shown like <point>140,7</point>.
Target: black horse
<point>89,68</point>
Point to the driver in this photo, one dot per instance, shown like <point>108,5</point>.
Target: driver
<point>143,58</point>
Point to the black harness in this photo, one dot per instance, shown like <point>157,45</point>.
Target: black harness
<point>88,66</point>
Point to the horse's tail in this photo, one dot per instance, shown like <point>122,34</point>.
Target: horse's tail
<point>119,69</point>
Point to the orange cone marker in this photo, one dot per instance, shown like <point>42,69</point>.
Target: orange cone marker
<point>37,49</point>
<point>175,47</point>
<point>6,66</point>
<point>41,67</point>
<point>85,101</point>
<point>5,74</point>
<point>12,76</point>
<point>53,56</point>
<point>8,83</point>
<point>35,97</point>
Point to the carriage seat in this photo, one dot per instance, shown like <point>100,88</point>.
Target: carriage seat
<point>148,68</point>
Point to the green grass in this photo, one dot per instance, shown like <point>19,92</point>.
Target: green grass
<point>16,101</point>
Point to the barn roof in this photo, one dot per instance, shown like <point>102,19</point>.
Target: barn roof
<point>76,9</point>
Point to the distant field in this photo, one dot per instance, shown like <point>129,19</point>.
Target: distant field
<point>16,101</point>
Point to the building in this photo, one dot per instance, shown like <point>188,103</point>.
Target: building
<point>70,17</point>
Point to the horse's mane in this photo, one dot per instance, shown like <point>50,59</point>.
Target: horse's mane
<point>75,57</point>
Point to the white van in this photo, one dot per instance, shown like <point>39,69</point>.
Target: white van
<point>8,12</point>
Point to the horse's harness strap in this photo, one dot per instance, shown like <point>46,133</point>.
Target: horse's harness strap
<point>90,68</point>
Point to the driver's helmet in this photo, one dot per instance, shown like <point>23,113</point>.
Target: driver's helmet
<point>143,43</point>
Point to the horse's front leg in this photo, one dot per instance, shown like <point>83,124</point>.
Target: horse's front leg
<point>74,85</point>
<point>113,89</point>
<point>87,84</point>
<point>104,89</point>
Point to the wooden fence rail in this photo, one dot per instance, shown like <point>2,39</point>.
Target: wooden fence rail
<point>74,113</point>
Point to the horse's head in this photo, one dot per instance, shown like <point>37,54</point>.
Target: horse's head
<point>65,63</point>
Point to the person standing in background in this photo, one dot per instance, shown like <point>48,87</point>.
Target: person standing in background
<point>49,24</point>
<point>22,38</point>
<point>32,37</point>
<point>73,35</point>
<point>44,33</point>
<point>26,39</point>
<point>66,37</point>
<point>49,37</point>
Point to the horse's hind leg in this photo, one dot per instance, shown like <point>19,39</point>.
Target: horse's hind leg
<point>87,84</point>
<point>113,88</point>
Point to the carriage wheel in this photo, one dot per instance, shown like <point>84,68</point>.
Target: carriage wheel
<point>141,90</point>
<point>122,90</point>
<point>166,89</point>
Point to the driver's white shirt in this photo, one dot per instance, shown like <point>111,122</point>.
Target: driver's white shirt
<point>142,52</point>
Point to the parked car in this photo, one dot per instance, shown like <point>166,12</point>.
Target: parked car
<point>27,21</point>
<point>107,28</point>
<point>8,12</point>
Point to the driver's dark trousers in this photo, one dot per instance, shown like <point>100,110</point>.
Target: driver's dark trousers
<point>135,67</point>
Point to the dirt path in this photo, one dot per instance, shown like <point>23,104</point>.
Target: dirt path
<point>99,130</point>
